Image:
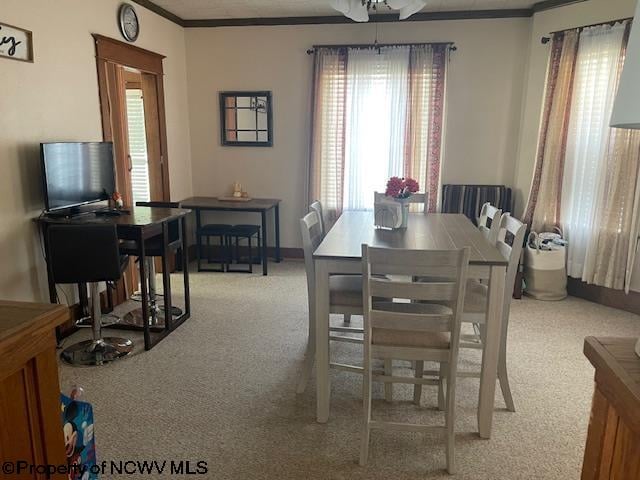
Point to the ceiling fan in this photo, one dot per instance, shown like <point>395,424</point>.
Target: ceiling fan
<point>358,10</point>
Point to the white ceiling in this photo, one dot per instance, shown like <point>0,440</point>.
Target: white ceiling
<point>217,9</point>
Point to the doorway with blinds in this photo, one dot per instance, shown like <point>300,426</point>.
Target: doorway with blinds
<point>137,133</point>
<point>130,81</point>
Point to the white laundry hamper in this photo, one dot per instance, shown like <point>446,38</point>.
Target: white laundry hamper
<point>545,272</point>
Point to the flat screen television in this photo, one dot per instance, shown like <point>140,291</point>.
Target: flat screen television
<point>76,174</point>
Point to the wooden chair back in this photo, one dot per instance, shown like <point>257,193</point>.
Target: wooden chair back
<point>510,242</point>
<point>489,222</point>
<point>394,273</point>
<point>317,207</point>
<point>311,231</point>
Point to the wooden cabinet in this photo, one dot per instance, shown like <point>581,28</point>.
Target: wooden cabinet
<point>613,441</point>
<point>30,421</point>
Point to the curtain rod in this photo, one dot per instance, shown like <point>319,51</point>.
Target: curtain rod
<point>545,40</point>
<point>452,46</point>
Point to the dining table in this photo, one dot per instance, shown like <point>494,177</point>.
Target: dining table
<point>340,252</point>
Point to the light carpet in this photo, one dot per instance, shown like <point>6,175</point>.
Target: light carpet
<point>221,389</point>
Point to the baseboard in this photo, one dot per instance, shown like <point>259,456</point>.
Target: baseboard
<point>604,296</point>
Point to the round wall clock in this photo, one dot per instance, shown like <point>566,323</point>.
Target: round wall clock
<point>129,24</point>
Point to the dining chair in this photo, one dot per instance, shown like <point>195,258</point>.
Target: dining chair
<point>412,330</point>
<point>345,298</point>
<point>490,229</point>
<point>317,207</point>
<point>509,243</point>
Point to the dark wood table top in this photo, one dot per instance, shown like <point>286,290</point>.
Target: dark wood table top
<point>424,232</point>
<point>212,203</point>
<point>137,217</point>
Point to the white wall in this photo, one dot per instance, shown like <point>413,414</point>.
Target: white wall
<point>56,98</point>
<point>484,102</point>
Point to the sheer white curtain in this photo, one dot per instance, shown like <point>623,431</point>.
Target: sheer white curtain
<point>585,170</point>
<point>377,102</point>
<point>377,113</point>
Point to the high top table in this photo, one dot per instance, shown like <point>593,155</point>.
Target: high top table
<point>255,205</point>
<point>341,253</point>
<point>138,224</point>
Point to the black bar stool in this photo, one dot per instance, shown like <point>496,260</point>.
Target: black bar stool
<point>88,254</point>
<point>243,232</point>
<point>154,248</point>
<point>218,231</point>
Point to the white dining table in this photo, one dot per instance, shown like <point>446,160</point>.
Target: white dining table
<point>340,253</point>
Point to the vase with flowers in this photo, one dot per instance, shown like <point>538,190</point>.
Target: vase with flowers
<point>401,190</point>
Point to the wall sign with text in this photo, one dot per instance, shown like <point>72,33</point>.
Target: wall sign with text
<point>16,43</point>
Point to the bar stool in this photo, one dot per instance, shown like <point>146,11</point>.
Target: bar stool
<point>88,254</point>
<point>153,249</point>
<point>244,232</point>
<point>214,230</point>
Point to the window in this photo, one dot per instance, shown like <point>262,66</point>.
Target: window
<point>586,176</point>
<point>378,112</point>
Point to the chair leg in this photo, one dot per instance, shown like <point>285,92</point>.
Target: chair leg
<point>307,366</point>
<point>450,421</point>
<point>388,386</point>
<point>417,389</point>
<point>504,382</point>
<point>224,245</point>
<point>366,395</point>
<point>310,353</point>
<point>347,318</point>
<point>199,250</point>
<point>441,386</point>
<point>250,255</point>
<point>260,240</point>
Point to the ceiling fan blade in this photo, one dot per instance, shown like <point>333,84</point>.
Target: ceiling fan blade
<point>411,7</point>
<point>352,9</point>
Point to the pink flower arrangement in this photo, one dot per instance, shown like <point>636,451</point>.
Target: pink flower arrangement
<point>401,187</point>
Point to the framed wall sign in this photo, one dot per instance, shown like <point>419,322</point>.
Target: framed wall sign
<point>246,119</point>
<point>16,43</point>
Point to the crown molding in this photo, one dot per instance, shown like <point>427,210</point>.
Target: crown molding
<point>157,9</point>
<point>339,19</point>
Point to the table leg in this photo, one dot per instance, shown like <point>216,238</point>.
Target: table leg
<point>323,386</point>
<point>198,237</point>
<point>185,267</point>
<point>265,237</point>
<point>491,352</point>
<point>144,293</point>
<point>166,278</point>
<point>276,214</point>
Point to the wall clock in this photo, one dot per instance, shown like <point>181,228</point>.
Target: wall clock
<point>129,24</point>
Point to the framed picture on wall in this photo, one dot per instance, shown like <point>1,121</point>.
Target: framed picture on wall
<point>16,43</point>
<point>246,119</point>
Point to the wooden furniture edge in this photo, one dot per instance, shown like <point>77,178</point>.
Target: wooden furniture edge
<point>614,381</point>
<point>49,318</point>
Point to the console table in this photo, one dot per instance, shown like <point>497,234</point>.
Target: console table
<point>255,205</point>
<point>29,387</point>
<point>613,441</point>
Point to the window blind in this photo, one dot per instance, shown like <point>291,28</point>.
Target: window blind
<point>138,146</point>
